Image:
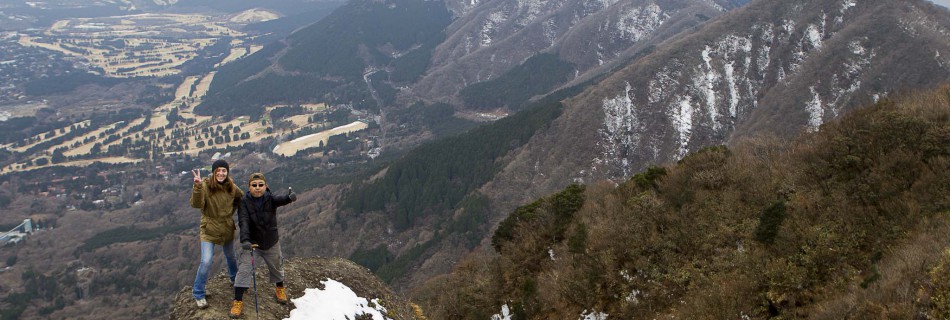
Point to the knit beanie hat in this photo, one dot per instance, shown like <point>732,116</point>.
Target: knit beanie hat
<point>220,163</point>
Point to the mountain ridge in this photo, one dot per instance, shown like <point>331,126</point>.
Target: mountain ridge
<point>521,30</point>
<point>837,223</point>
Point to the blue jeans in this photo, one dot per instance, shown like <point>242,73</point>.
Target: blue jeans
<point>207,252</point>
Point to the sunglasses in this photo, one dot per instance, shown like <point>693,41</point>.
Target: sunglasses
<point>256,185</point>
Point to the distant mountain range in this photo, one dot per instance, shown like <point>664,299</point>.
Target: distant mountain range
<point>593,37</point>
<point>450,46</point>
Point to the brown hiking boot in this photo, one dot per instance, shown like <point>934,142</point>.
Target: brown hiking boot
<point>236,308</point>
<point>281,295</point>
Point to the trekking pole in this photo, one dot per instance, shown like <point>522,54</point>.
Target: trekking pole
<point>254,279</point>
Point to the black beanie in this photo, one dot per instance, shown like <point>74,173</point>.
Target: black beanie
<point>220,163</point>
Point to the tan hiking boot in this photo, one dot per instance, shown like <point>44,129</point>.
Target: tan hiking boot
<point>281,295</point>
<point>236,308</point>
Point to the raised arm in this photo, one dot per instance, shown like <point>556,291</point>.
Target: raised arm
<point>197,191</point>
<point>285,200</point>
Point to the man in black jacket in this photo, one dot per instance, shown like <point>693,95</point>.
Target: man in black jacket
<point>257,216</point>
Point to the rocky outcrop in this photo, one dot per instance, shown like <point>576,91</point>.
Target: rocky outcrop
<point>300,274</point>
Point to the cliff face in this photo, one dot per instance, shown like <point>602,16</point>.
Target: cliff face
<point>771,67</point>
<point>299,274</point>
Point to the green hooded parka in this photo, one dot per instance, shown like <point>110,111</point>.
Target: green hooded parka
<point>217,204</point>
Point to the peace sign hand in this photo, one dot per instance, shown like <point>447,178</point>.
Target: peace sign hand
<point>197,174</point>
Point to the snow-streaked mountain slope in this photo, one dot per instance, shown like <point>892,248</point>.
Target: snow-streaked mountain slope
<point>772,67</point>
<point>493,36</point>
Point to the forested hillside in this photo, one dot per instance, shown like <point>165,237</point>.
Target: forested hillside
<point>419,189</point>
<point>326,61</point>
<point>436,176</point>
<point>850,222</point>
<point>512,90</point>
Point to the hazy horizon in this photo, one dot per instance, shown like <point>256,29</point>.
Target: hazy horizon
<point>945,3</point>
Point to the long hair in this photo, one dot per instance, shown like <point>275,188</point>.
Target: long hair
<point>226,186</point>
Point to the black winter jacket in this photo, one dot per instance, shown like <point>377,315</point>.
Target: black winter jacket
<point>259,225</point>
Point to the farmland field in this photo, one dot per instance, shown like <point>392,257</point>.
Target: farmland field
<point>290,148</point>
<point>140,46</point>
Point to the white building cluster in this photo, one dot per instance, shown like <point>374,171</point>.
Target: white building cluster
<point>18,233</point>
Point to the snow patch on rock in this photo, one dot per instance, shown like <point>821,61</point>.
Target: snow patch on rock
<point>682,118</point>
<point>815,111</point>
<point>622,127</point>
<point>504,314</point>
<point>636,23</point>
<point>592,315</point>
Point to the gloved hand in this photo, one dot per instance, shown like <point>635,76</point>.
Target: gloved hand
<point>291,194</point>
<point>247,246</point>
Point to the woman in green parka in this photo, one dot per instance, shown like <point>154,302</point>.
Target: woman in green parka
<point>217,197</point>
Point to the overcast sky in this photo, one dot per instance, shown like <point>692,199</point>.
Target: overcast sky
<point>945,3</point>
